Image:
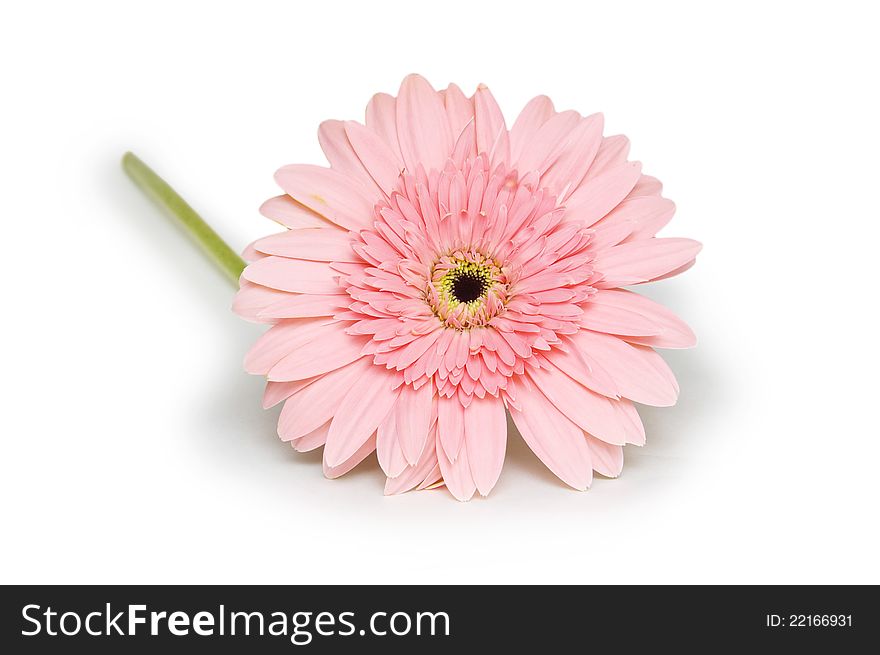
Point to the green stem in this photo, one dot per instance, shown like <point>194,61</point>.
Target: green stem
<point>217,250</point>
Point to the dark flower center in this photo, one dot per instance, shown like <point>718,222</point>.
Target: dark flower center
<point>467,286</point>
<point>466,289</point>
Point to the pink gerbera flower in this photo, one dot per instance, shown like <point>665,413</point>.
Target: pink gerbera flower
<point>445,269</point>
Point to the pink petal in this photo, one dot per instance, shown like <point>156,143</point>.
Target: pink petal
<point>304,306</point>
<point>457,474</point>
<point>341,154</point>
<point>608,234</point>
<point>252,299</point>
<point>294,275</point>
<point>434,479</point>
<point>382,119</point>
<point>279,340</point>
<point>485,437</point>
<point>422,472</point>
<point>329,349</point>
<point>364,407</point>
<point>314,439</point>
<point>275,392</point>
<point>329,193</point>
<point>575,157</point>
<point>646,186</point>
<point>607,458</point>
<point>640,373</point>
<point>412,414</point>
<point>557,442</point>
<point>629,415</point>
<point>671,331</point>
<point>537,112</point>
<point>450,426</point>
<point>492,137</point>
<point>645,216</point>
<point>545,147</point>
<point>311,407</point>
<point>288,212</point>
<point>676,271</point>
<point>377,157</point>
<point>595,198</point>
<point>612,152</point>
<point>318,244</point>
<point>584,369</point>
<point>613,319</point>
<point>250,254</point>
<point>388,449</point>
<point>591,412</point>
<point>459,110</point>
<point>422,126</point>
<point>640,261</point>
<point>356,458</point>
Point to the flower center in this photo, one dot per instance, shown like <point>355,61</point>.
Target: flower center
<point>466,283</point>
<point>466,289</point>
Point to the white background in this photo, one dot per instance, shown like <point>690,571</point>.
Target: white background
<point>134,448</point>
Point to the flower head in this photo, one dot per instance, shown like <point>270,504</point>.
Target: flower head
<point>445,269</point>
